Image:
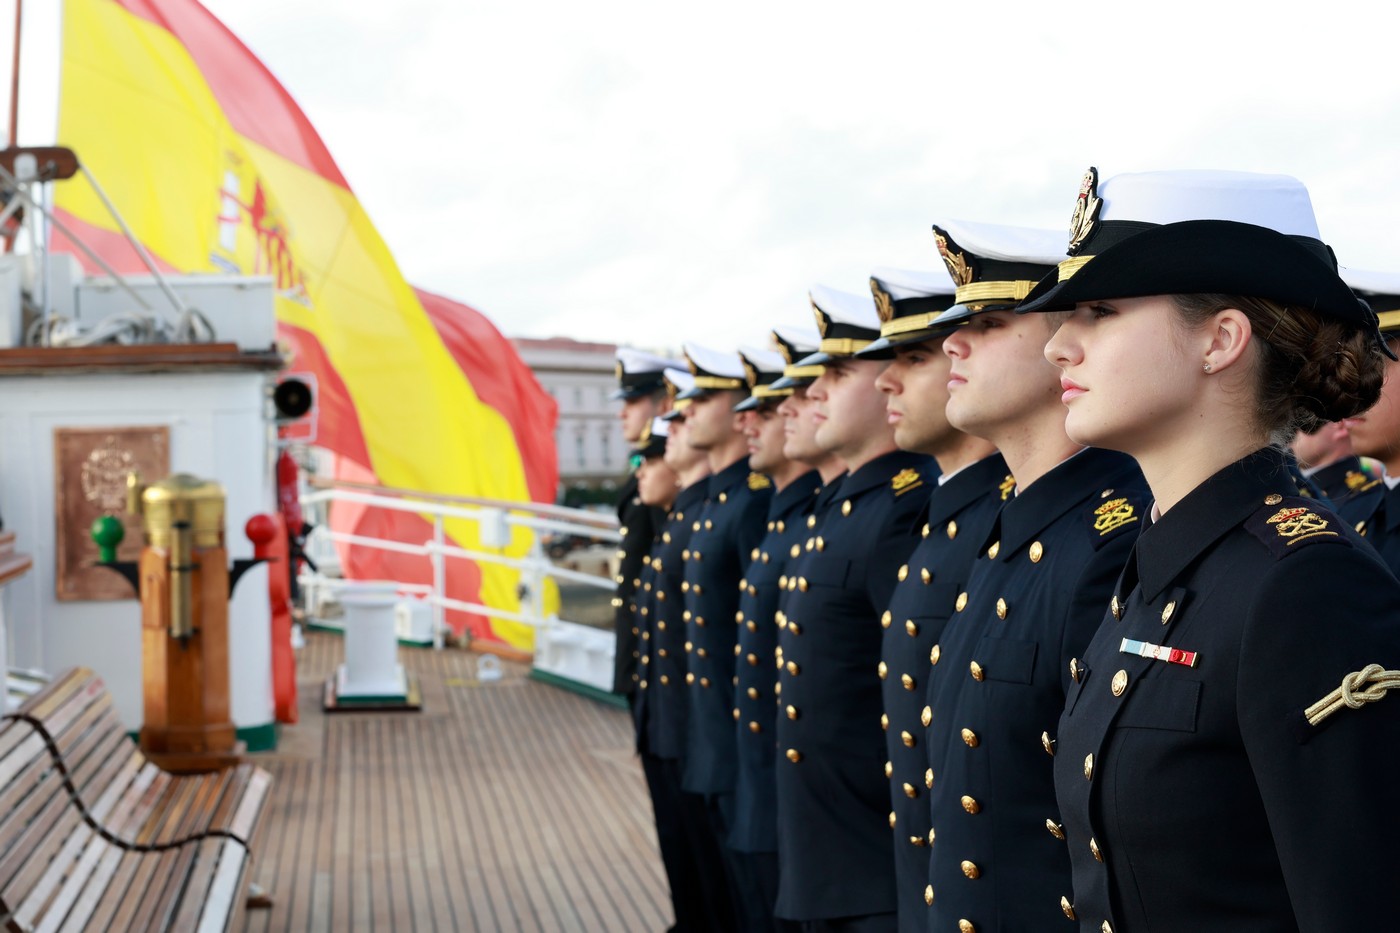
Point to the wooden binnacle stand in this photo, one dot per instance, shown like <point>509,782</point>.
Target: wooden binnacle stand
<point>184,580</point>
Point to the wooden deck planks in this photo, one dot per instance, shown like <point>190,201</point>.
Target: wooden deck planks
<point>511,806</point>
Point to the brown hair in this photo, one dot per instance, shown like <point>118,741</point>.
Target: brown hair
<point>1311,369</point>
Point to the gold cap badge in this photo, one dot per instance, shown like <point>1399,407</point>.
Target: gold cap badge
<point>959,268</point>
<point>1086,211</point>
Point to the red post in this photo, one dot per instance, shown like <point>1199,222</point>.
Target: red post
<point>269,536</point>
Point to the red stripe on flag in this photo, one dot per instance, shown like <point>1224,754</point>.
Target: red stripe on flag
<point>255,102</point>
<point>364,563</point>
<point>503,381</point>
<point>111,246</point>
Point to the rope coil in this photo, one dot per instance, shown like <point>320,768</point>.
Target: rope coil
<point>1357,689</point>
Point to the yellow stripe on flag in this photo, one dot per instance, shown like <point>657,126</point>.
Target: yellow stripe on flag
<point>140,115</point>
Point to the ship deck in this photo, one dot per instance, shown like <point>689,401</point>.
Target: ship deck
<point>507,805</point>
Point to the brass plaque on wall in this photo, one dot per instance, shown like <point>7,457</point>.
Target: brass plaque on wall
<point>90,468</point>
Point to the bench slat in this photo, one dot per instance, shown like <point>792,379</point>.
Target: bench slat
<point>224,901</point>
<point>73,860</point>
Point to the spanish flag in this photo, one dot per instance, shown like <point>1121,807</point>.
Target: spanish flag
<point>216,169</point>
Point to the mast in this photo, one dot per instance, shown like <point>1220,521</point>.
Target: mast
<point>14,78</point>
<point>9,240</point>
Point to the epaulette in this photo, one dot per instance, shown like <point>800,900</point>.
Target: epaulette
<point>1285,525</point>
<point>1107,518</point>
<point>905,480</point>
<point>759,481</point>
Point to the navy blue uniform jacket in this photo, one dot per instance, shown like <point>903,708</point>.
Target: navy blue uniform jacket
<point>727,529</point>
<point>638,525</point>
<point>755,826</point>
<point>1199,797</point>
<point>954,526</point>
<point>1033,600</point>
<point>834,852</point>
<point>662,709</point>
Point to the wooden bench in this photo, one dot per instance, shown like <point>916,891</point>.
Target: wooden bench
<point>95,837</point>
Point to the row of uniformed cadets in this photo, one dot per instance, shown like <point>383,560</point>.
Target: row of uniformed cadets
<point>914,470</point>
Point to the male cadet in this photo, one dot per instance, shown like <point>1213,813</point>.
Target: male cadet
<point>724,533</point>
<point>1377,432</point>
<point>754,835</point>
<point>659,704</point>
<point>1327,459</point>
<point>692,857</point>
<point>953,525</point>
<point>642,389</point>
<point>799,422</point>
<point>1034,597</point>
<point>835,865</point>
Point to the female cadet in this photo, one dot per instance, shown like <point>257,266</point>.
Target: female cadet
<point>1225,759</point>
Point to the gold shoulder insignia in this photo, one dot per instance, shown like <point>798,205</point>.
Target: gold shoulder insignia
<point>1007,487</point>
<point>759,481</point>
<point>1298,523</point>
<point>1285,523</point>
<point>1113,514</point>
<point>905,480</point>
<point>1357,481</point>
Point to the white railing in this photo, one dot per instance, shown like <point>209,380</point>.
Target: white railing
<point>562,648</point>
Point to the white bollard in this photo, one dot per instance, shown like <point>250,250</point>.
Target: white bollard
<point>371,668</point>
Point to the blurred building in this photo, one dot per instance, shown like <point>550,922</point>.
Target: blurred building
<point>593,458</point>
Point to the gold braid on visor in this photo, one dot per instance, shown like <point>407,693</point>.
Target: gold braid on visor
<point>845,346</point>
<point>982,292</point>
<point>1069,267</point>
<point>718,382</point>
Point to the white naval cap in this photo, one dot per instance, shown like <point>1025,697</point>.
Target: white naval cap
<point>833,306</point>
<point>796,341</point>
<point>1380,290</point>
<point>678,383</point>
<point>846,321</point>
<point>761,369</point>
<point>1005,243</point>
<point>993,266</point>
<point>760,361</point>
<point>797,344</point>
<point>714,370</point>
<point>1368,282</point>
<point>902,284</point>
<point>1199,232</point>
<point>908,302</point>
<point>1279,202</point>
<point>652,443</point>
<point>639,373</point>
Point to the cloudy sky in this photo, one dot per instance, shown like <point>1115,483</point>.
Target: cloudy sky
<point>651,172</point>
